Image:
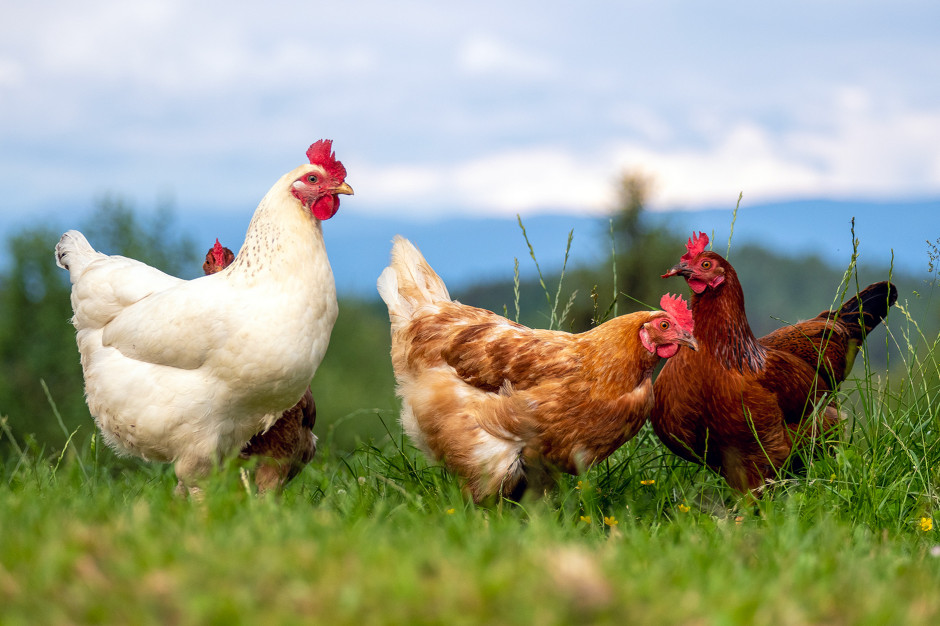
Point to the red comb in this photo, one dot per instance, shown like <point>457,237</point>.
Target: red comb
<point>218,253</point>
<point>678,309</point>
<point>695,246</point>
<point>320,153</point>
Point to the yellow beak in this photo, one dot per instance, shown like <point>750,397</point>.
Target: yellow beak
<point>344,188</point>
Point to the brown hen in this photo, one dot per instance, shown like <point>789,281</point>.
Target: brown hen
<point>741,404</point>
<point>503,405</point>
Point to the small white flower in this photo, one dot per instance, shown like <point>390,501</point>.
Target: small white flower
<point>362,480</point>
<point>341,492</point>
<point>935,551</point>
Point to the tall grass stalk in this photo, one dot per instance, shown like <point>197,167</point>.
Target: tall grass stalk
<point>65,431</point>
<point>734,218</point>
<point>555,321</point>
<point>613,268</point>
<point>21,457</point>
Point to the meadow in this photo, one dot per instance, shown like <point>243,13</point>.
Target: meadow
<point>377,536</point>
<point>371,533</point>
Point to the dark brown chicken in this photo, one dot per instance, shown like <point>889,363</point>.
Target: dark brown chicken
<point>741,404</point>
<point>286,447</point>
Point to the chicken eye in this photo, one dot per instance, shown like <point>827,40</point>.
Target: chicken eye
<point>664,325</point>
<point>312,179</point>
<point>706,264</point>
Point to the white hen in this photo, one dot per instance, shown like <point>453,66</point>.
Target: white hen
<point>187,371</point>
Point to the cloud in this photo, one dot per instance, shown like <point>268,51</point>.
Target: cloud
<point>508,182</point>
<point>11,73</point>
<point>875,146</point>
<point>520,181</point>
<point>485,55</point>
<point>529,110</point>
<point>865,149</point>
<point>744,158</point>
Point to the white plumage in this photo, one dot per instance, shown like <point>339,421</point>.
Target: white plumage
<point>187,371</point>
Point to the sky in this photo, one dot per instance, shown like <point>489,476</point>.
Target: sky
<point>484,108</point>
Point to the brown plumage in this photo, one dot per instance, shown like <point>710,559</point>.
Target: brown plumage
<point>289,444</point>
<point>503,405</point>
<point>740,404</point>
<point>285,448</point>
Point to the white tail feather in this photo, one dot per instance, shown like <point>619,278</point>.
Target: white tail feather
<point>409,282</point>
<point>74,253</point>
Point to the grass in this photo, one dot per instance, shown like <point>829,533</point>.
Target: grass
<point>378,536</point>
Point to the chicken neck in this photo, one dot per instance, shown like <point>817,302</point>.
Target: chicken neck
<point>282,240</point>
<point>722,329</point>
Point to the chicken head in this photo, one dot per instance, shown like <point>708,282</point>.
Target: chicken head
<point>701,268</point>
<point>663,334</point>
<point>319,186</point>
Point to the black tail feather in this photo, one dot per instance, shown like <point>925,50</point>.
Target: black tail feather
<point>865,311</point>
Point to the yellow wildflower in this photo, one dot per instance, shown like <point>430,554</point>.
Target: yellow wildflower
<point>580,483</point>
<point>611,521</point>
<point>648,482</point>
<point>684,508</point>
<point>926,524</point>
<point>451,511</point>
<point>586,519</point>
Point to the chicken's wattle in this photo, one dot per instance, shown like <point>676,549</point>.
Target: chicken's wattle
<point>325,207</point>
<point>667,350</point>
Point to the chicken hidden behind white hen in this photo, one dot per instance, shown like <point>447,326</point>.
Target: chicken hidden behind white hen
<point>188,371</point>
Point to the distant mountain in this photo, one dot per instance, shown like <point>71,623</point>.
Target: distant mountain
<point>466,251</point>
<point>823,227</point>
<point>470,250</point>
<point>463,250</point>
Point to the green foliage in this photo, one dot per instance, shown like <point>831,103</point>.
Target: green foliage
<point>36,341</point>
<point>644,252</point>
<point>354,386</point>
<point>116,228</point>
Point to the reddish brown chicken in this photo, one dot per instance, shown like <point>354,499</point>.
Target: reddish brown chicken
<point>741,404</point>
<point>284,449</point>
<point>503,405</point>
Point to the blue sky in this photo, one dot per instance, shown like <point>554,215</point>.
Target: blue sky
<point>484,108</point>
